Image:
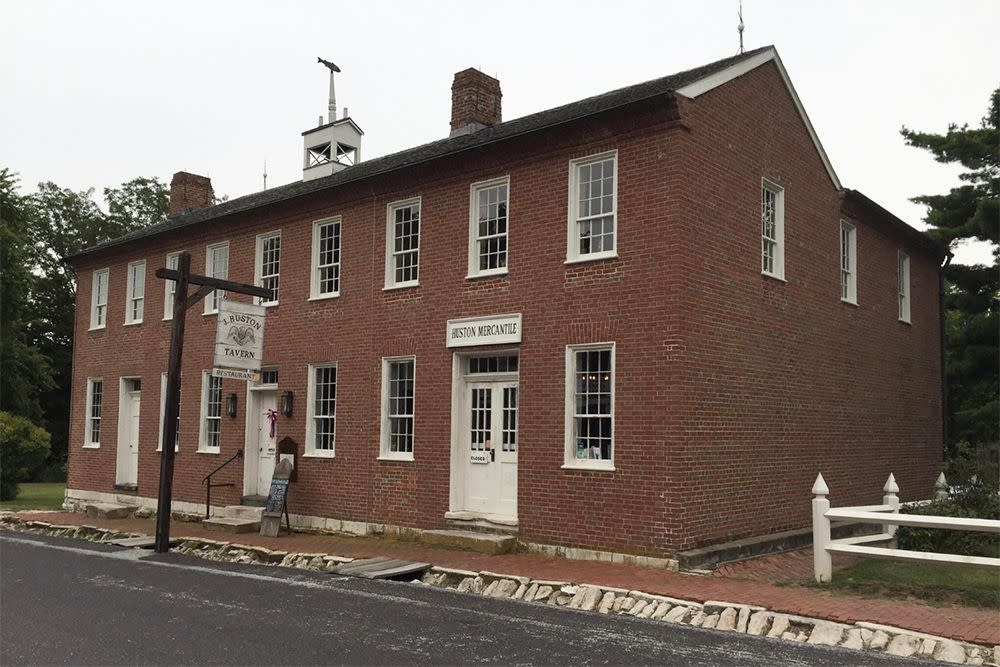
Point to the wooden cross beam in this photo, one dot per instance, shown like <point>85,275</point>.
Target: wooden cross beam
<point>182,301</point>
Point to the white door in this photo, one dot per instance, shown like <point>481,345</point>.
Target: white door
<point>128,433</point>
<point>491,443</point>
<point>267,438</point>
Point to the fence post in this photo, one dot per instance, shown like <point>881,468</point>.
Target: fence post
<point>822,561</point>
<point>892,500</point>
<point>941,488</point>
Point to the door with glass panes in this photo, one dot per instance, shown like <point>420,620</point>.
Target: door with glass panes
<point>491,442</point>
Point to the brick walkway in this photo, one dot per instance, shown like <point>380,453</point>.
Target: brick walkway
<point>750,583</point>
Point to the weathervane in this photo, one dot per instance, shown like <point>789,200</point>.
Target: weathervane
<point>332,107</point>
<point>739,28</point>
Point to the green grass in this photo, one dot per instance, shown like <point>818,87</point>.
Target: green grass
<point>922,582</point>
<point>40,496</point>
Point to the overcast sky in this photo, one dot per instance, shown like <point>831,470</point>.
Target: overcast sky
<point>96,93</point>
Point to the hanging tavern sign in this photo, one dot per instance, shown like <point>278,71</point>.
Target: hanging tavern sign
<point>239,338</point>
<point>488,330</point>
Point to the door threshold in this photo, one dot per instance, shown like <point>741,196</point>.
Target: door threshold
<point>494,523</point>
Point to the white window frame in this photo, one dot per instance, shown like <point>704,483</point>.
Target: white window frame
<point>311,416</point>
<point>100,275</point>
<point>390,242</point>
<point>135,294</point>
<point>163,415</point>
<point>573,254</point>
<point>778,271</point>
<point>211,307</point>
<point>570,460</point>
<point>474,190</point>
<point>203,447</point>
<point>258,277</point>
<point>314,281</point>
<point>170,286</point>
<point>384,452</point>
<point>89,443</point>
<point>849,273</point>
<point>903,286</point>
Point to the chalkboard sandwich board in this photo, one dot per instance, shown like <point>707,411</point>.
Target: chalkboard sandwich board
<point>270,520</point>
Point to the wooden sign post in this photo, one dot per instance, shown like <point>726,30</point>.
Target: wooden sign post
<point>277,497</point>
<point>182,301</point>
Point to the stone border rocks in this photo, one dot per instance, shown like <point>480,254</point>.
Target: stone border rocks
<point>713,614</point>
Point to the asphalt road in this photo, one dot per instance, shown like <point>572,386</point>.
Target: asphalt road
<point>70,602</point>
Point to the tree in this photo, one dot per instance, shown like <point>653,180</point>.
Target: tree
<point>969,211</point>
<point>46,227</point>
<point>23,448</point>
<point>25,372</point>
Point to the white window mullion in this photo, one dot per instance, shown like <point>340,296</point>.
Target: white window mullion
<point>135,292</point>
<point>848,263</point>
<point>321,418</point>
<point>99,299</point>
<point>95,404</point>
<point>593,208</point>
<point>402,239</point>
<point>398,399</point>
<point>772,230</point>
<point>216,266</point>
<point>590,401</point>
<point>903,280</point>
<point>210,435</point>
<point>267,265</point>
<point>488,228</point>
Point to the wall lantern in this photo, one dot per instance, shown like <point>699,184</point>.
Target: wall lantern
<point>231,405</point>
<point>286,404</point>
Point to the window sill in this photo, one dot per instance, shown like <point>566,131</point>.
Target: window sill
<point>269,304</point>
<point>396,458</point>
<point>132,324</point>
<point>97,446</point>
<point>849,302</point>
<point>319,454</point>
<point>100,328</point>
<point>159,450</point>
<point>214,452</point>
<point>773,276</point>
<point>389,288</point>
<point>214,312</point>
<point>168,318</point>
<point>592,257</point>
<point>486,274</point>
<point>324,297</point>
<point>906,322</point>
<point>594,466</point>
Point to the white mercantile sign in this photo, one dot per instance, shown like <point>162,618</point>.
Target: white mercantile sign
<point>239,338</point>
<point>487,330</point>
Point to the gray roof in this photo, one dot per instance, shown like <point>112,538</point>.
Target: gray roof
<point>432,151</point>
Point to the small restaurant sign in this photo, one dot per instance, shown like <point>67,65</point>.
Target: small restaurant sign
<point>239,337</point>
<point>487,330</point>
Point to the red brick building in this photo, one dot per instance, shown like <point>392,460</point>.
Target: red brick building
<point>638,323</point>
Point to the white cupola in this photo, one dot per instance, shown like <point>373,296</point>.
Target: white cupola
<point>331,146</point>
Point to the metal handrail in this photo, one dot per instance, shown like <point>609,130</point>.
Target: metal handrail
<point>208,482</point>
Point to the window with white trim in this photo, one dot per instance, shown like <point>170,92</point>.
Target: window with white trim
<point>99,299</point>
<point>95,401</point>
<point>402,261</point>
<point>325,280</point>
<point>170,286</point>
<point>488,228</point>
<point>903,286</point>
<point>593,207</point>
<point>398,377</point>
<point>772,229</point>
<point>163,415</point>
<point>848,262</point>
<point>216,266</point>
<point>267,266</point>
<point>211,413</point>
<point>590,405</point>
<point>135,292</point>
<point>321,423</point>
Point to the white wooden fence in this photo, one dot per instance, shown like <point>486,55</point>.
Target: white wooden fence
<point>887,515</point>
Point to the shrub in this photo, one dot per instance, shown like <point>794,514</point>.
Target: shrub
<point>23,448</point>
<point>975,495</point>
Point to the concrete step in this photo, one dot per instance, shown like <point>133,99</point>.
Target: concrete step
<point>241,512</point>
<point>254,501</point>
<point>109,510</point>
<point>473,541</point>
<point>231,525</point>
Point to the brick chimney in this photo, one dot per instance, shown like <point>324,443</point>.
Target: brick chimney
<point>475,102</point>
<point>190,191</point>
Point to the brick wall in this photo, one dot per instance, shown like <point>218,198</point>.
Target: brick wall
<point>709,443</point>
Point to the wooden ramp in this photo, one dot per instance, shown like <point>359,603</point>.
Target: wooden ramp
<point>380,568</point>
